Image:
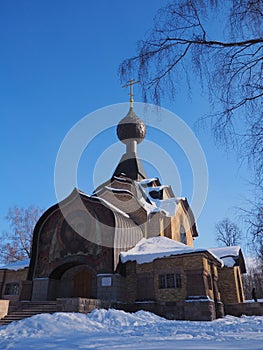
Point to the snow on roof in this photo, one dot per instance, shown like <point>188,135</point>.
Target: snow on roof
<point>122,179</point>
<point>227,254</point>
<point>122,190</point>
<point>147,181</point>
<point>167,206</point>
<point>158,188</point>
<point>147,250</point>
<point>226,251</point>
<point>111,206</point>
<point>18,265</point>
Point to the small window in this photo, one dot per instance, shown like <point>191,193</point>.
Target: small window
<point>170,280</point>
<point>12,289</point>
<point>183,234</point>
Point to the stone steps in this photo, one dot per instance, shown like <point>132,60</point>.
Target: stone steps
<point>28,309</point>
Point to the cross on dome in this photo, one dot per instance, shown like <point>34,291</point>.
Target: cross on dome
<point>130,83</point>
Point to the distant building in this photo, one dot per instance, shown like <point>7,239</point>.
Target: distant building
<point>130,246</point>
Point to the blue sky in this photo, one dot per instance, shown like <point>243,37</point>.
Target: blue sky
<point>59,61</point>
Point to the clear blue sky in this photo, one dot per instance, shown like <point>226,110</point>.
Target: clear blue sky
<point>59,61</point>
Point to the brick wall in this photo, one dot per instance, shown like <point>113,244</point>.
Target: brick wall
<point>229,285</point>
<point>142,280</point>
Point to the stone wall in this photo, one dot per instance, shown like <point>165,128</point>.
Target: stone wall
<point>82,305</point>
<point>249,309</point>
<point>201,310</point>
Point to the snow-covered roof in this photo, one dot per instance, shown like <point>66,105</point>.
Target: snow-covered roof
<point>121,190</point>
<point>18,265</point>
<point>112,207</point>
<point>166,206</point>
<point>147,250</point>
<point>231,256</point>
<point>227,254</point>
<point>226,251</point>
<point>148,181</point>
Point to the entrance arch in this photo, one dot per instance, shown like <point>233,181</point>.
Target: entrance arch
<point>71,281</point>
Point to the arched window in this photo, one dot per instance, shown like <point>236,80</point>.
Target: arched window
<point>182,234</point>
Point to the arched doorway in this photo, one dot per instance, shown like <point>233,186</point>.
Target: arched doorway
<point>71,281</point>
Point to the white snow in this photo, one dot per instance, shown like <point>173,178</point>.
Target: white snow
<point>118,190</point>
<point>147,250</point>
<point>147,181</point>
<point>18,265</point>
<point>112,329</point>
<point>226,251</point>
<point>158,188</point>
<point>166,206</point>
<point>226,254</point>
<point>111,206</point>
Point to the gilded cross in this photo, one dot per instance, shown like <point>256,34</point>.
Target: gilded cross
<point>130,84</point>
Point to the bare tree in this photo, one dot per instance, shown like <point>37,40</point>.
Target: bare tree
<point>253,279</point>
<point>254,218</point>
<point>221,43</point>
<point>16,244</point>
<point>228,233</point>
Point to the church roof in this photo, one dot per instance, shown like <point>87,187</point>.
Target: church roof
<point>148,195</point>
<point>231,256</point>
<point>131,166</point>
<point>147,250</point>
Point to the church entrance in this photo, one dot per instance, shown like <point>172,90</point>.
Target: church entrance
<point>82,284</point>
<point>71,282</point>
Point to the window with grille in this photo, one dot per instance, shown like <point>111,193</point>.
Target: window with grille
<point>12,289</point>
<point>170,280</point>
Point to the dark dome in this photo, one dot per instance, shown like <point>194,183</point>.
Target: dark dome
<point>131,128</point>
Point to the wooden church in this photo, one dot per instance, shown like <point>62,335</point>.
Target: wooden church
<point>129,246</point>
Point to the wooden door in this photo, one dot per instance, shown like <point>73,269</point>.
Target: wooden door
<point>82,284</point>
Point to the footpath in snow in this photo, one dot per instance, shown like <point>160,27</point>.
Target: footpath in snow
<point>113,329</point>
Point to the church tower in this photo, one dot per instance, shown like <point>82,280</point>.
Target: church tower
<point>131,130</point>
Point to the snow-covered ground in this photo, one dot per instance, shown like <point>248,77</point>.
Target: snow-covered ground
<point>114,329</point>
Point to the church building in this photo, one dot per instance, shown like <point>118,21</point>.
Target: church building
<point>129,245</point>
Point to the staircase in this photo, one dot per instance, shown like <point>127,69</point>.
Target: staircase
<point>28,309</point>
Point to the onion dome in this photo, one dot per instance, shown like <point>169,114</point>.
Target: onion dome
<point>131,128</point>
